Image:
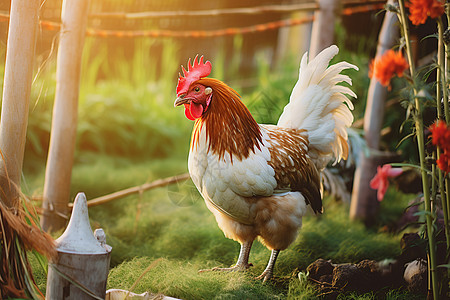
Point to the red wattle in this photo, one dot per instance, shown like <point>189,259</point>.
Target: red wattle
<point>196,110</point>
<point>187,112</point>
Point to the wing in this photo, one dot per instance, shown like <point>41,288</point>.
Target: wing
<point>278,164</point>
<point>294,170</point>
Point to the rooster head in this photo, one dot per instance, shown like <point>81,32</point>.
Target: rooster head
<point>194,96</point>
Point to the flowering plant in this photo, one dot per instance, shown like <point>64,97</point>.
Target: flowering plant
<point>380,181</point>
<point>420,10</point>
<point>391,63</point>
<point>441,138</point>
<point>435,177</point>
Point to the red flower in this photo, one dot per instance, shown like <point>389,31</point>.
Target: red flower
<point>440,135</point>
<point>380,181</point>
<point>384,67</point>
<point>444,162</point>
<point>420,10</point>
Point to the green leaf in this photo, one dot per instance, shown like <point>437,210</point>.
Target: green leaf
<point>444,266</point>
<point>423,213</point>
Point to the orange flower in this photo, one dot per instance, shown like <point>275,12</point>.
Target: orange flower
<point>384,67</point>
<point>444,162</point>
<point>440,136</point>
<point>420,10</point>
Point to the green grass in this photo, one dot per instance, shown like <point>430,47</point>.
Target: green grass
<point>172,225</point>
<point>181,279</point>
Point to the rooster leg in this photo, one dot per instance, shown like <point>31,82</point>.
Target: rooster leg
<point>268,272</point>
<point>242,262</point>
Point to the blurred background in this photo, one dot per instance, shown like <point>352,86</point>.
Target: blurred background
<point>138,75</point>
<point>129,133</point>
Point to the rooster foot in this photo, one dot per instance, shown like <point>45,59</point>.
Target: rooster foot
<point>266,275</point>
<point>236,268</point>
<point>268,272</point>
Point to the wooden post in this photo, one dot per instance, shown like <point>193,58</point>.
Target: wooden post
<point>373,118</point>
<point>16,95</point>
<point>364,204</point>
<point>322,33</point>
<point>293,39</point>
<point>81,269</point>
<point>64,125</point>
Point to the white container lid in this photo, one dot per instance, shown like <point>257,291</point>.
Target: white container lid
<point>78,237</point>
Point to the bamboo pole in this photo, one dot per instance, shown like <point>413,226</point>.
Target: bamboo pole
<point>418,120</point>
<point>322,32</point>
<point>65,112</point>
<point>364,204</point>
<point>16,95</point>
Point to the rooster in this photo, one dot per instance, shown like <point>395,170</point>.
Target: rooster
<point>256,179</point>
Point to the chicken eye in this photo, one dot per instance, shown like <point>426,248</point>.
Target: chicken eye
<point>197,89</point>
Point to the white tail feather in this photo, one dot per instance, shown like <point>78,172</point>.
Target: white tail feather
<point>319,106</point>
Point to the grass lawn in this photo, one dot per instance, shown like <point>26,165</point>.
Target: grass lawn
<point>169,234</point>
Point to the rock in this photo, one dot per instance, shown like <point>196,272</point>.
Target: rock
<point>326,279</point>
<point>391,271</point>
<point>346,277</point>
<point>418,284</point>
<point>368,266</point>
<point>416,276</point>
<point>418,266</point>
<point>320,268</point>
<point>372,276</point>
<point>365,276</point>
<point>409,240</point>
<point>413,247</point>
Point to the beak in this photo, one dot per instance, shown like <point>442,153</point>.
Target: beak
<point>181,100</point>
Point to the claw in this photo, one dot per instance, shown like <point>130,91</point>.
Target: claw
<point>266,275</point>
<point>236,268</point>
<point>242,263</point>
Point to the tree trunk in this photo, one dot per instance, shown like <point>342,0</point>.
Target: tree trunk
<point>322,33</point>
<point>364,204</point>
<point>65,112</point>
<point>16,95</point>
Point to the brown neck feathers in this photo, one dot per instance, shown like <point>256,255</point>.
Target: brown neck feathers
<point>228,123</point>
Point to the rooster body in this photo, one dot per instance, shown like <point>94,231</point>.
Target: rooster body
<point>256,179</point>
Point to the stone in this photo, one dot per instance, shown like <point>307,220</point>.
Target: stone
<point>320,268</point>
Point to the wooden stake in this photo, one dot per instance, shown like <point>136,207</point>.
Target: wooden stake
<point>373,117</point>
<point>322,33</point>
<point>364,204</point>
<point>64,125</point>
<point>16,95</point>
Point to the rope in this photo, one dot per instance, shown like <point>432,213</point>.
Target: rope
<point>223,11</point>
<point>200,33</point>
<point>206,13</point>
<point>360,9</point>
<point>56,26</point>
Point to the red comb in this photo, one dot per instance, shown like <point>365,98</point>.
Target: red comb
<point>195,72</point>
